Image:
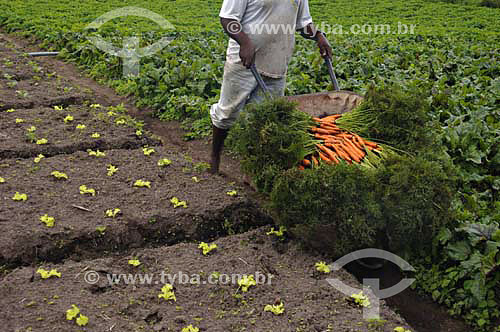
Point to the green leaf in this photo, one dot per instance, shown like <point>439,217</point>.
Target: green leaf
<point>459,251</point>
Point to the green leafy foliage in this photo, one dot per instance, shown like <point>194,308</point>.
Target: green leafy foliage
<point>322,267</point>
<point>245,282</point>
<point>142,184</point>
<point>167,293</point>
<point>271,137</point>
<point>276,309</point>
<point>45,274</point>
<point>207,248</point>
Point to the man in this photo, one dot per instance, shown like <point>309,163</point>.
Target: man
<point>262,32</point>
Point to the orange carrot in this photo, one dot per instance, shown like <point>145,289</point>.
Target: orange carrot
<point>324,157</point>
<point>324,131</point>
<point>306,162</point>
<point>301,167</point>
<point>315,160</point>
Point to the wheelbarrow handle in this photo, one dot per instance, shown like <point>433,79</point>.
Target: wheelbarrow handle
<point>260,81</point>
<point>329,65</point>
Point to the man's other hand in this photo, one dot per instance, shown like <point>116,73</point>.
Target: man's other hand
<point>324,46</point>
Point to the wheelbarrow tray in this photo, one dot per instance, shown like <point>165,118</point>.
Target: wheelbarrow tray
<point>327,103</point>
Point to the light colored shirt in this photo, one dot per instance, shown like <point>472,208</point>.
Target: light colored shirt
<point>271,26</point>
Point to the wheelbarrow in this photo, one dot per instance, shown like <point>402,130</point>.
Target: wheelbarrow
<point>323,103</point>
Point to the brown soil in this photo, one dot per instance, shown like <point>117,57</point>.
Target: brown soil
<point>64,137</point>
<point>147,216</point>
<point>311,304</point>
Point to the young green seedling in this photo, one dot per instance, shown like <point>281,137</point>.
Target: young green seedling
<point>138,133</point>
<point>2,180</point>
<point>207,248</point>
<point>148,151</point>
<point>101,229</point>
<point>81,126</point>
<point>361,299</point>
<point>164,162</point>
<point>195,179</point>
<point>112,170</point>
<point>134,262</point>
<point>112,213</point>
<point>278,233</point>
<point>177,203</point>
<point>120,122</point>
<point>38,158</point>
<point>59,175</point>
<point>95,106</point>
<point>246,282</point>
<point>322,267</point>
<point>232,193</point>
<point>401,329</point>
<point>275,309</point>
<point>84,190</point>
<point>190,328</point>
<point>73,313</point>
<point>167,293</point>
<point>19,197</point>
<point>19,120</point>
<point>47,274</point>
<point>10,110</point>
<point>48,221</point>
<point>42,141</point>
<point>31,129</point>
<point>68,118</point>
<point>58,108</point>
<point>96,135</point>
<point>96,153</point>
<point>142,184</point>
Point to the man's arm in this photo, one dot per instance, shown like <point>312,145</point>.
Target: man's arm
<point>234,29</point>
<point>310,32</point>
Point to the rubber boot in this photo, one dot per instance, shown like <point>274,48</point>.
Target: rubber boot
<point>219,135</point>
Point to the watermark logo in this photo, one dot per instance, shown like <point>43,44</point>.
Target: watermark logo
<point>371,287</point>
<point>131,53</point>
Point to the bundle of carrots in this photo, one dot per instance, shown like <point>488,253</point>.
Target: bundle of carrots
<point>334,144</point>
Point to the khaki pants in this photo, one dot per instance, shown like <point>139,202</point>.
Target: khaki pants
<point>239,88</point>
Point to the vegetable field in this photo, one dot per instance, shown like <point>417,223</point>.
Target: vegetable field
<point>448,72</point>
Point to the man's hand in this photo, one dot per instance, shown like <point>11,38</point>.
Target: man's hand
<point>324,46</point>
<point>234,29</point>
<point>247,54</point>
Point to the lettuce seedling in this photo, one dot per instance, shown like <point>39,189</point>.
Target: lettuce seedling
<point>138,132</point>
<point>101,229</point>
<point>81,126</point>
<point>58,108</point>
<point>20,197</point>
<point>195,179</point>
<point>148,151</point>
<point>164,162</point>
<point>275,309</point>
<point>111,213</point>
<point>39,158</point>
<point>278,233</point>
<point>96,153</point>
<point>134,262</point>
<point>177,203</point>
<point>72,313</point>
<point>246,282</point>
<point>401,329</point>
<point>95,106</point>
<point>68,118</point>
<point>142,183</point>
<point>96,135</point>
<point>31,129</point>
<point>322,267</point>
<point>19,120</point>
<point>82,320</point>
<point>84,190</point>
<point>2,180</point>
<point>111,113</point>
<point>47,274</point>
<point>190,328</point>
<point>59,175</point>
<point>48,221</point>
<point>120,121</point>
<point>42,141</point>
<point>232,193</point>
<point>207,248</point>
<point>10,110</point>
<point>112,170</point>
<point>361,299</point>
<point>167,293</point>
